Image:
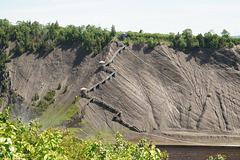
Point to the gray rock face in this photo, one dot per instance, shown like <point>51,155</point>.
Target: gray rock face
<point>158,89</point>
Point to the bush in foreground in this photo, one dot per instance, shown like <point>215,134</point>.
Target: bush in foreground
<point>22,141</point>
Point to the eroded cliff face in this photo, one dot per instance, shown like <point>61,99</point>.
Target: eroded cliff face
<point>141,89</point>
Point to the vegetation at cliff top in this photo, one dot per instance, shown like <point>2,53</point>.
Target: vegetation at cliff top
<point>32,37</point>
<point>37,37</point>
<point>184,41</point>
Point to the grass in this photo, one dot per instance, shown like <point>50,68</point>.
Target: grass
<point>52,118</point>
<point>76,131</point>
<point>77,98</point>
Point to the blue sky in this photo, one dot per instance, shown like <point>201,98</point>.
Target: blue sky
<point>153,16</point>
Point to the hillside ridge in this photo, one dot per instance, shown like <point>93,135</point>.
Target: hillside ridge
<point>137,90</point>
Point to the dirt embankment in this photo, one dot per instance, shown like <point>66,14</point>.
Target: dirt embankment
<point>155,90</point>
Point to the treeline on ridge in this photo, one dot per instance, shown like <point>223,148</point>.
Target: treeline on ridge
<point>183,41</point>
<point>35,36</point>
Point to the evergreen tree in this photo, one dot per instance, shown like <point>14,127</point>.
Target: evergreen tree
<point>113,31</point>
<point>200,39</point>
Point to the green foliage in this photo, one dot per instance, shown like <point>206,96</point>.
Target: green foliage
<point>35,97</point>
<point>77,98</point>
<point>127,41</point>
<point>13,98</point>
<point>113,31</point>
<point>65,89</point>
<point>230,44</point>
<point>141,40</point>
<point>179,42</point>
<point>37,37</point>
<point>152,42</point>
<point>33,103</point>
<point>65,113</point>
<point>190,107</point>
<point>120,149</point>
<point>43,104</point>
<point>49,96</point>
<point>218,157</point>
<point>209,95</point>
<point>187,32</point>
<point>41,107</point>
<point>27,141</point>
<point>59,86</point>
<point>184,41</point>
<point>200,39</point>
<point>21,141</point>
<point>225,33</point>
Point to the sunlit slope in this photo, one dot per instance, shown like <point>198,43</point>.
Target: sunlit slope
<point>142,89</point>
<point>164,89</point>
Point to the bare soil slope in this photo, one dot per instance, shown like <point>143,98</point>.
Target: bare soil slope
<point>141,89</point>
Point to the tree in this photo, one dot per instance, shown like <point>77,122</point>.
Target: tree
<point>150,43</point>
<point>207,38</point>
<point>187,32</point>
<point>171,36</point>
<point>200,40</point>
<point>179,42</point>
<point>231,45</point>
<point>141,40</point>
<point>113,31</point>
<point>225,33</point>
<point>214,41</point>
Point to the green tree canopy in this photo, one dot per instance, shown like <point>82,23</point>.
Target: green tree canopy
<point>225,33</point>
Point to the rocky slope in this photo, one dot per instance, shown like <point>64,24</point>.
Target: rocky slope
<point>138,89</point>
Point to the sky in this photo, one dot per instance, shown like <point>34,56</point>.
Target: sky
<point>152,16</point>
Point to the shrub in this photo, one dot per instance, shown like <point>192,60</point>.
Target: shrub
<point>33,103</point>
<point>13,98</point>
<point>22,141</point>
<point>41,107</point>
<point>218,157</point>
<point>65,89</point>
<point>35,97</point>
<point>49,96</point>
<point>59,86</point>
<point>231,45</point>
<point>77,98</point>
<point>209,95</point>
<point>190,107</point>
<point>27,141</point>
<point>44,103</point>
<point>119,149</point>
